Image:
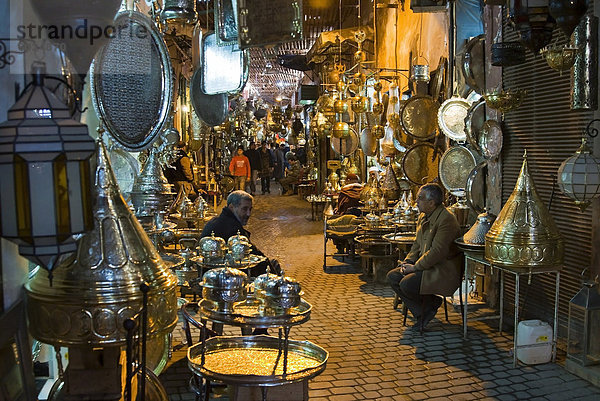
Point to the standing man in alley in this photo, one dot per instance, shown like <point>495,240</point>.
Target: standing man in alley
<point>240,169</point>
<point>254,157</point>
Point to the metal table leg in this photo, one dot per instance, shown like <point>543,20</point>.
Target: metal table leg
<point>555,334</point>
<point>466,300</point>
<point>516,331</point>
<point>500,324</point>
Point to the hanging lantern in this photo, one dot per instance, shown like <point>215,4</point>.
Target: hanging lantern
<point>567,13</point>
<point>584,319</point>
<point>533,22</point>
<point>45,196</point>
<point>579,176</point>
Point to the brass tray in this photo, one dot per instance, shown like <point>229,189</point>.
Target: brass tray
<point>475,189</point>
<point>490,140</point>
<point>455,166</point>
<point>474,123</point>
<point>247,263</point>
<point>345,146</point>
<point>400,238</point>
<point>250,360</point>
<point>251,313</point>
<point>465,246</point>
<point>420,163</point>
<point>419,117</point>
<point>368,143</point>
<point>451,118</point>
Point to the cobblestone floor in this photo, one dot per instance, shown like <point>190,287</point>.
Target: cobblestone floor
<point>372,356</point>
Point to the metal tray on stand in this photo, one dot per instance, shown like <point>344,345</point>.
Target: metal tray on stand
<point>251,313</point>
<point>257,360</point>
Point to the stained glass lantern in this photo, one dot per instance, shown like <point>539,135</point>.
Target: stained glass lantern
<point>579,176</point>
<point>583,342</point>
<point>45,188</point>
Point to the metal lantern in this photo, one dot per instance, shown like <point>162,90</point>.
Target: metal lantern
<point>579,176</point>
<point>45,189</point>
<point>532,21</point>
<point>584,323</point>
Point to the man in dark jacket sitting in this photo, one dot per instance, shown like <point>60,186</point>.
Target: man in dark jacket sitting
<point>232,220</point>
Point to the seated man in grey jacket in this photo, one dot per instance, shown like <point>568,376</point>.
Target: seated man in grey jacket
<point>433,264</point>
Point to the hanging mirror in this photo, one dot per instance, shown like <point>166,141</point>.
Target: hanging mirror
<point>223,67</point>
<point>131,82</point>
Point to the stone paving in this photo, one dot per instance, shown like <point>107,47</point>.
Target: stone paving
<point>372,356</point>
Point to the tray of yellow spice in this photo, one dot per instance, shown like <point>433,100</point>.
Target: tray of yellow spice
<point>256,360</point>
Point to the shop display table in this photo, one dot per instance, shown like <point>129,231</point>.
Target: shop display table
<point>477,255</point>
<point>316,208</point>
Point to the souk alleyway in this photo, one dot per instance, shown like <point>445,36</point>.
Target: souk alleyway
<point>372,356</point>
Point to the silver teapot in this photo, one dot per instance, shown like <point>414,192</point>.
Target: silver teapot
<point>239,247</point>
<point>200,207</point>
<point>212,249</point>
<point>283,293</point>
<point>476,234</point>
<point>224,286</point>
<point>371,220</point>
<point>387,219</point>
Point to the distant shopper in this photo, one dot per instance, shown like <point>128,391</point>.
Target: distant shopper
<point>279,162</point>
<point>240,169</point>
<point>254,156</point>
<point>292,177</point>
<point>266,168</point>
<point>182,175</point>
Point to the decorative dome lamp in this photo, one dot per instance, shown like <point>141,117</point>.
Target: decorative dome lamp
<point>579,175</point>
<point>45,177</point>
<point>567,13</point>
<point>524,237</point>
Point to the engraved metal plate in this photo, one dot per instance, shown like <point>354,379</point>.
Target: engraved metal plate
<point>345,146</point>
<point>263,22</point>
<point>131,86</point>
<point>451,118</point>
<point>455,165</point>
<point>212,109</point>
<point>474,123</point>
<point>490,140</point>
<point>420,163</point>
<point>419,117</point>
<point>476,187</point>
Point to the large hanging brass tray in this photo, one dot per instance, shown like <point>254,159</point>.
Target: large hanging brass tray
<point>256,360</point>
<point>368,142</point>
<point>455,166</point>
<point>419,117</point>
<point>345,146</point>
<point>131,82</point>
<point>474,123</point>
<point>420,163</point>
<point>490,139</point>
<point>212,109</point>
<point>252,312</point>
<point>475,190</point>
<point>451,118</point>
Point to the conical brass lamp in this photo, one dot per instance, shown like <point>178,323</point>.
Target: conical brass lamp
<point>524,235</point>
<point>96,289</point>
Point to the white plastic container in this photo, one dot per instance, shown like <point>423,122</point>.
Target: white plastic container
<point>534,332</point>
